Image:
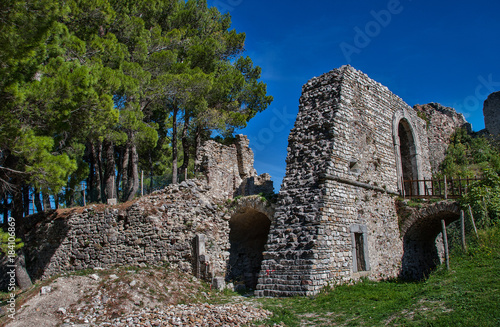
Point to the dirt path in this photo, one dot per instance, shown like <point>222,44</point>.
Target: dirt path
<point>42,309</point>
<point>134,297</point>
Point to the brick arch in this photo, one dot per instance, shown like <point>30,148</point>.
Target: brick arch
<point>249,225</point>
<point>420,231</point>
<point>254,202</point>
<point>403,122</point>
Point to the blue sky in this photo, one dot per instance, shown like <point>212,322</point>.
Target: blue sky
<point>423,51</point>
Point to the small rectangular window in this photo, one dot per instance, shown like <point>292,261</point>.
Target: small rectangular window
<point>360,252</point>
<point>359,243</point>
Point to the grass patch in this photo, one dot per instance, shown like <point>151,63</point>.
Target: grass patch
<point>466,295</point>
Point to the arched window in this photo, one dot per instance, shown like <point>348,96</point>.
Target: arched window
<point>408,157</point>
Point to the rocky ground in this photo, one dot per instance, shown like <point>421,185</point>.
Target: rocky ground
<point>132,297</point>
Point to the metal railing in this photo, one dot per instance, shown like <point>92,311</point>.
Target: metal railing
<point>445,188</point>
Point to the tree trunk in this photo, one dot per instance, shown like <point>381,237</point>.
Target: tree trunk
<point>90,178</point>
<point>130,172</point>
<point>22,277</point>
<point>151,168</point>
<point>17,201</point>
<point>185,147</point>
<point>134,172</point>
<point>109,173</point>
<point>100,190</point>
<point>26,200</point>
<point>69,195</point>
<point>198,139</point>
<point>96,182</point>
<point>38,203</point>
<point>119,173</point>
<point>125,173</point>
<point>6,207</point>
<point>46,200</point>
<point>174,145</point>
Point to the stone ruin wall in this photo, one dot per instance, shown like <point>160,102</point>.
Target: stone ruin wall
<point>229,169</point>
<point>341,179</point>
<point>441,122</point>
<point>164,228</point>
<point>491,111</point>
<point>158,229</point>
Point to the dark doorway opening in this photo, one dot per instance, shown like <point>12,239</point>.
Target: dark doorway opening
<point>248,237</point>
<point>420,246</point>
<point>408,154</point>
<point>420,257</point>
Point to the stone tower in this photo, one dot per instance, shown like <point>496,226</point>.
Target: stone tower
<point>491,111</point>
<point>352,145</point>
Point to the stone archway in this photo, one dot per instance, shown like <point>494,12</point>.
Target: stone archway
<point>420,230</point>
<point>249,228</point>
<point>408,152</point>
<point>408,156</point>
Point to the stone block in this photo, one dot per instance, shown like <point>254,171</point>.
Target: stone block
<point>218,283</point>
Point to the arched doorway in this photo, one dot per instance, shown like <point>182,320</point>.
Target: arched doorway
<point>408,157</point>
<point>421,231</point>
<point>249,229</point>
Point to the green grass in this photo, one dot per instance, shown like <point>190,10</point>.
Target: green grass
<point>467,295</point>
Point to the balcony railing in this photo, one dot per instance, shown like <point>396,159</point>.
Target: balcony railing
<point>445,188</point>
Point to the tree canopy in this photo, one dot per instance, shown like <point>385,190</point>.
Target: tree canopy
<point>476,156</point>
<point>94,90</point>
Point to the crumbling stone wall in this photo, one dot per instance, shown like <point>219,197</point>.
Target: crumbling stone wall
<point>343,171</point>
<point>158,229</point>
<point>352,145</point>
<point>229,169</point>
<point>491,111</point>
<point>187,225</point>
<point>441,122</point>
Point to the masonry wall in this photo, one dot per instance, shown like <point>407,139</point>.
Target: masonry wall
<point>491,111</point>
<point>164,228</point>
<point>341,179</point>
<point>229,169</point>
<point>441,123</point>
<point>335,219</point>
<point>296,260</point>
<point>157,230</point>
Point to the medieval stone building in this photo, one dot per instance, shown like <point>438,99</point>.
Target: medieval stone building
<point>353,144</point>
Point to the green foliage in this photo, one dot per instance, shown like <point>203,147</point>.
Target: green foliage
<point>484,198</point>
<point>46,169</point>
<point>468,156</point>
<point>78,75</point>
<point>424,116</point>
<point>5,246</point>
<point>467,295</point>
<point>270,197</point>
